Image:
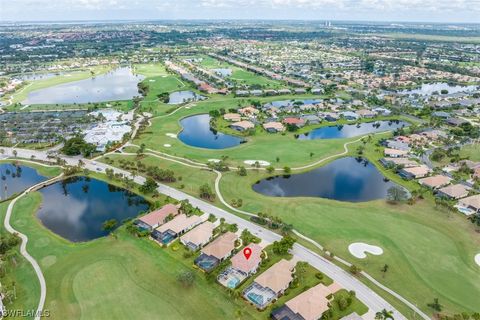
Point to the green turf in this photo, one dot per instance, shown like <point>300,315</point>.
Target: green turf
<point>471,152</point>
<point>262,146</point>
<point>121,278</point>
<point>239,75</point>
<point>430,252</point>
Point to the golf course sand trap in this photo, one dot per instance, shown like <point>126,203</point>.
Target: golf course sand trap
<point>166,145</point>
<point>214,160</point>
<point>171,135</point>
<point>477,259</point>
<point>261,162</point>
<point>359,250</point>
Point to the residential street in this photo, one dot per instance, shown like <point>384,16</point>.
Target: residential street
<point>371,299</point>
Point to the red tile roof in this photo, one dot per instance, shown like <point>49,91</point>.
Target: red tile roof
<point>158,216</point>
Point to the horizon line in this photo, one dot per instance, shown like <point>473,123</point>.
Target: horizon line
<point>233,19</point>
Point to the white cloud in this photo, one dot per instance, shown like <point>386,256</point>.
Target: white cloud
<point>436,10</point>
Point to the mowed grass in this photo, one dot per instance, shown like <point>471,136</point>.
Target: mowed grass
<point>262,146</point>
<point>116,278</point>
<point>21,273</point>
<point>430,252</point>
<point>239,75</point>
<point>188,180</point>
<point>159,81</point>
<point>471,151</point>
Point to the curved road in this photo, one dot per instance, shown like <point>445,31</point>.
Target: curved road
<point>374,302</point>
<point>23,246</point>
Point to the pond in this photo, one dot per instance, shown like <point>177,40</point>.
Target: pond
<point>184,96</point>
<point>346,179</point>
<point>17,178</point>
<point>197,132</point>
<point>118,84</point>
<point>77,207</point>
<point>429,88</point>
<point>352,130</point>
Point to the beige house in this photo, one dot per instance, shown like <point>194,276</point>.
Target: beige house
<point>169,231</point>
<point>394,153</point>
<point>272,283</point>
<point>310,305</point>
<point>365,113</point>
<point>472,203</point>
<point>274,127</point>
<point>248,111</point>
<point>415,172</point>
<point>222,246</point>
<point>435,182</point>
<point>234,117</point>
<point>455,191</point>
<point>403,162</point>
<point>242,125</point>
<point>199,236</point>
<point>277,277</point>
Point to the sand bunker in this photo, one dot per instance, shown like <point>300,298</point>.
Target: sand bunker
<point>214,160</point>
<point>171,135</point>
<point>166,145</point>
<point>261,162</point>
<point>359,250</point>
<point>477,259</point>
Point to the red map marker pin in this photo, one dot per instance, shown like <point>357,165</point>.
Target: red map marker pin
<point>247,252</point>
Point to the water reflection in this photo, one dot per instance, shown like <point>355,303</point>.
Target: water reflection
<point>197,132</point>
<point>17,178</point>
<point>346,179</point>
<point>119,84</point>
<point>184,96</point>
<point>352,130</point>
<point>76,208</point>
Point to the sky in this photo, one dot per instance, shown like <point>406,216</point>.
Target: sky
<point>467,11</point>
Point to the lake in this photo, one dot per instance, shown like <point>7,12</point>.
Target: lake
<point>184,96</point>
<point>77,207</point>
<point>118,84</point>
<point>345,179</point>
<point>429,88</point>
<point>352,130</point>
<point>17,178</point>
<point>197,132</point>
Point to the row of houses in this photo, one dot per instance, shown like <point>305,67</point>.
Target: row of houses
<point>169,223</point>
<point>248,117</point>
<point>442,185</point>
<point>278,92</point>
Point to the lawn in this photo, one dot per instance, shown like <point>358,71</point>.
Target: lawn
<point>471,152</point>
<point>429,251</point>
<point>188,179</point>
<point>262,146</point>
<point>239,75</point>
<point>118,278</point>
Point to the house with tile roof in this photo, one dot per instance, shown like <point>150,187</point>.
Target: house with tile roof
<point>158,217</point>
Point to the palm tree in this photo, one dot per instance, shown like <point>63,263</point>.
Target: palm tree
<point>384,314</point>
